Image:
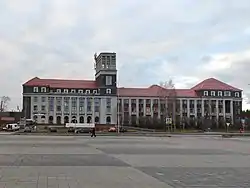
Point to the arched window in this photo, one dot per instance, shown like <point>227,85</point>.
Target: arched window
<point>74,120</point>
<point>89,119</point>
<point>51,119</point>
<point>81,119</point>
<point>58,120</point>
<point>96,119</point>
<point>108,120</point>
<point>66,119</point>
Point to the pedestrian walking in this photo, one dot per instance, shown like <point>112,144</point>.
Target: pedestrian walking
<point>93,132</point>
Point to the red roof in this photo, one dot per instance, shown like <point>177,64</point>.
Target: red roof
<point>152,91</point>
<point>214,84</point>
<point>59,83</point>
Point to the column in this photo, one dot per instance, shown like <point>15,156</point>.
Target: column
<point>151,107</point>
<point>122,110</point>
<point>188,108</point>
<point>77,110</point>
<point>62,109</point>
<point>129,107</point>
<point>137,109</point>
<point>224,109</point>
<point>54,112</point>
<point>195,108</point>
<point>93,108</point>
<point>217,110</point>
<point>232,111</point>
<point>85,109</point>
<point>144,107</point>
<point>202,107</point>
<point>181,109</point>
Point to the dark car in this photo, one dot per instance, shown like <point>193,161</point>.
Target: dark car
<point>83,130</point>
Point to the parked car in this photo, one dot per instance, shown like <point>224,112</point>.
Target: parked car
<point>114,129</point>
<point>11,127</point>
<point>82,130</point>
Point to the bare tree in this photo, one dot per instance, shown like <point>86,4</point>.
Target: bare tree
<point>168,100</point>
<point>4,101</point>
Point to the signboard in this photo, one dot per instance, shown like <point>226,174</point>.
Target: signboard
<point>80,125</point>
<point>168,120</point>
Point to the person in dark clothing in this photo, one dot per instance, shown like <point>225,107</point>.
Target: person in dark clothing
<point>93,132</point>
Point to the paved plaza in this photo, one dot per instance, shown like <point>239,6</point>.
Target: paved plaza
<point>123,162</point>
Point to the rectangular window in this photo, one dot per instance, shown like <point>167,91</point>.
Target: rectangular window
<point>35,108</point>
<point>108,91</point>
<point>43,89</point>
<point>35,89</point>
<point>58,108</point>
<point>74,103</point>
<point>89,104</point>
<point>108,80</point>
<point>43,108</point>
<point>51,103</point>
<point>220,93</point>
<point>81,104</point>
<point>43,99</point>
<point>205,93</point>
<point>108,105</point>
<point>97,104</point>
<point>66,104</point>
<point>35,99</point>
<point>213,93</point>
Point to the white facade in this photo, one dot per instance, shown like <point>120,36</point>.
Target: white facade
<point>58,109</point>
<point>151,107</point>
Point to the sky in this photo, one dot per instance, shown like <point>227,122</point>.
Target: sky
<point>183,40</point>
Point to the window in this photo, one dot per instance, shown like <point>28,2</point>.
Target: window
<point>220,93</point>
<point>80,91</point>
<point>108,105</point>
<point>237,94</point>
<point>65,91</point>
<point>108,91</point>
<point>81,104</point>
<point>43,108</point>
<point>59,91</point>
<point>87,92</point>
<point>73,90</point>
<point>43,99</point>
<point>212,93</point>
<point>108,80</point>
<point>74,104</point>
<point>227,93</point>
<point>35,108</point>
<point>97,104</point>
<point>205,93</point>
<point>89,104</point>
<point>43,89</point>
<point>35,89</point>
<point>35,99</point>
<point>95,91</point>
<point>51,103</point>
<point>66,104</point>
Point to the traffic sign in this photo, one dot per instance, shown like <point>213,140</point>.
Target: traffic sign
<point>168,120</point>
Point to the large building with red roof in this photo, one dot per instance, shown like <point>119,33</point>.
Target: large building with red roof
<point>57,101</point>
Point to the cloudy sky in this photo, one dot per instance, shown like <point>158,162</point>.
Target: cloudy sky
<point>185,40</point>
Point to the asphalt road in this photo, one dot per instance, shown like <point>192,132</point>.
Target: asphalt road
<point>121,162</point>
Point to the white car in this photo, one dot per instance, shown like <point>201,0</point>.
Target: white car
<point>12,127</point>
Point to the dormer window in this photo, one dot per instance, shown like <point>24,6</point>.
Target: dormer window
<point>227,93</point>
<point>213,93</point>
<point>65,91</point>
<point>35,89</point>
<point>237,94</point>
<point>95,91</point>
<point>43,89</point>
<point>220,93</point>
<point>80,91</point>
<point>58,91</point>
<point>87,92</point>
<point>73,90</point>
<point>108,91</point>
<point>205,93</point>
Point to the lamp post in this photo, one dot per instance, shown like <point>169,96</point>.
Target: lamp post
<point>118,114</point>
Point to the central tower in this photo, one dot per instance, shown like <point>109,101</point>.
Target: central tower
<point>106,73</point>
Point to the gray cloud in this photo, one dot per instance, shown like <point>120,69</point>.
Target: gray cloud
<point>155,41</point>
